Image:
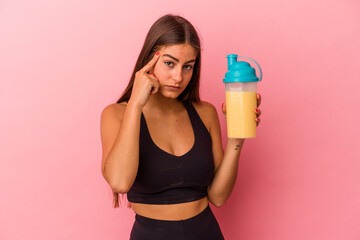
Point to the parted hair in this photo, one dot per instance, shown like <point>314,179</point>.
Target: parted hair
<point>167,30</point>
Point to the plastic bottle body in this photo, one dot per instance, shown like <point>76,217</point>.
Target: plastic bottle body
<point>241,101</point>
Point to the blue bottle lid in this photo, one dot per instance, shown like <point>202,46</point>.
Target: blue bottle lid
<point>239,71</point>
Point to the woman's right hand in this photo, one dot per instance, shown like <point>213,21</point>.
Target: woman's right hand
<point>145,83</point>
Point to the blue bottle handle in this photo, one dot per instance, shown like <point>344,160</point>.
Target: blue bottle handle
<point>258,66</point>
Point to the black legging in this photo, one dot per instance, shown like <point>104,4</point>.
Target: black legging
<point>203,226</point>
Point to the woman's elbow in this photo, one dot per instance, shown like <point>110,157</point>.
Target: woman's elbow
<point>120,187</point>
<point>117,186</point>
<point>217,202</point>
<point>120,190</point>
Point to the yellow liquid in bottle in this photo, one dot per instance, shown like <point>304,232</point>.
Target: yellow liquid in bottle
<point>240,115</point>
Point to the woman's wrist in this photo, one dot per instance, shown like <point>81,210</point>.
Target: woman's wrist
<point>235,143</point>
<point>236,140</point>
<point>135,105</point>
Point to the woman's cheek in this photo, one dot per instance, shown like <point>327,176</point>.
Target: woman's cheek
<point>189,76</point>
<point>161,76</point>
<point>158,71</point>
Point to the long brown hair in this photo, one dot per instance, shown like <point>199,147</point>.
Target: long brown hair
<point>167,30</point>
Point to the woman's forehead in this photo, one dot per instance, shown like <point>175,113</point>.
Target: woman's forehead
<point>184,52</point>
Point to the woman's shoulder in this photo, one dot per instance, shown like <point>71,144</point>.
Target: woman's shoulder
<point>204,108</point>
<point>207,113</point>
<point>115,110</point>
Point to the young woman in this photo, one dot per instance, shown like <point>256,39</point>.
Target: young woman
<point>162,145</point>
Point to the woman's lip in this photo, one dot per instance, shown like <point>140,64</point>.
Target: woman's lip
<point>172,87</point>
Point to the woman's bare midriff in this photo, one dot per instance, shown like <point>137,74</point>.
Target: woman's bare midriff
<point>179,211</point>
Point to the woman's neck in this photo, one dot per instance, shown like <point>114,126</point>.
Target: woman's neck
<point>163,105</point>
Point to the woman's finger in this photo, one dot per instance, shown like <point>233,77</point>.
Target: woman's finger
<point>151,63</point>
<point>257,112</point>
<point>223,108</point>
<point>257,121</point>
<point>258,99</point>
<point>155,84</point>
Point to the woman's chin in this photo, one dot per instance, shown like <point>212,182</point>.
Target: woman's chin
<point>168,94</point>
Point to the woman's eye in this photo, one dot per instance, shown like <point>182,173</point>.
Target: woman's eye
<point>188,67</point>
<point>170,64</point>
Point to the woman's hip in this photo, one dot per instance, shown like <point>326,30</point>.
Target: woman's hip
<point>202,226</point>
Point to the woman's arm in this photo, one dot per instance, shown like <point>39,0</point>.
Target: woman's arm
<point>120,130</point>
<point>226,164</point>
<point>225,175</point>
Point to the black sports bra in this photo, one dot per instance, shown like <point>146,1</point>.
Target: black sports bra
<point>164,178</point>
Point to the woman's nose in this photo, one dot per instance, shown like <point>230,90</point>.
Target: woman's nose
<point>177,76</point>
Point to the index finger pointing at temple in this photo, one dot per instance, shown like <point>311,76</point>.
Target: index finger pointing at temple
<point>151,63</point>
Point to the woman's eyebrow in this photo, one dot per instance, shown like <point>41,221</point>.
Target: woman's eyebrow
<point>177,60</point>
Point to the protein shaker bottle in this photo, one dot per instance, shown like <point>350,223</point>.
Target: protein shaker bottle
<point>241,100</point>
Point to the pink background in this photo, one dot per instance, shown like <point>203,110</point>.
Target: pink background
<point>62,62</point>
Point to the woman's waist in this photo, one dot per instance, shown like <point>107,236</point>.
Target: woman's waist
<point>178,211</point>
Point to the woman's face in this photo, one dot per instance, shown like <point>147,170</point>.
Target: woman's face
<point>174,69</point>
